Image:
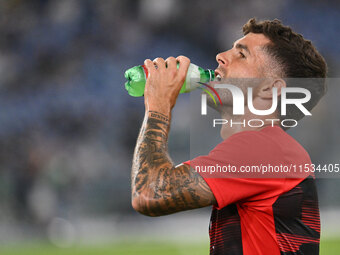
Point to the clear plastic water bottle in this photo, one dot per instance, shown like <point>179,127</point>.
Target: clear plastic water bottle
<point>136,78</point>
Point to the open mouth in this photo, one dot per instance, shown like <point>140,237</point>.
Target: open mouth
<point>218,77</point>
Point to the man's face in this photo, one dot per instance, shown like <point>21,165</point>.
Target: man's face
<point>246,59</point>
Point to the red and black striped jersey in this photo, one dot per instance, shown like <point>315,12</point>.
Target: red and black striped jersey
<point>261,215</point>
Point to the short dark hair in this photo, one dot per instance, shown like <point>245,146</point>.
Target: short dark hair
<point>296,56</point>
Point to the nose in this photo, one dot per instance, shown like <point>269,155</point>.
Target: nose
<point>221,58</point>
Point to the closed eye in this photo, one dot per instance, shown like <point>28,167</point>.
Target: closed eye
<point>242,55</point>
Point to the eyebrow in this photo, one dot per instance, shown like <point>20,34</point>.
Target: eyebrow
<point>243,47</point>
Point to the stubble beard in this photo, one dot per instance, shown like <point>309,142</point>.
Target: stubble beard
<point>226,95</point>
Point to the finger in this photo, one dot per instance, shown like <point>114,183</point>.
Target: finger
<point>184,63</point>
<point>160,63</point>
<point>171,63</point>
<point>149,65</point>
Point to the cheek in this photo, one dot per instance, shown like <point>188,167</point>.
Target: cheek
<point>243,71</point>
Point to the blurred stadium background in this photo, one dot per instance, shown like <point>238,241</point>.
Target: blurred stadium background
<point>68,127</point>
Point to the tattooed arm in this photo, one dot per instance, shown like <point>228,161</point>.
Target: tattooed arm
<point>158,187</point>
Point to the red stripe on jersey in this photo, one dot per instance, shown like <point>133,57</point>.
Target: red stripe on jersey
<point>292,243</point>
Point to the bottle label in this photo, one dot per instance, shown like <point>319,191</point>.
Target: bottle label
<point>145,71</point>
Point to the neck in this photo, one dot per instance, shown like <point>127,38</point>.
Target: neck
<point>246,122</point>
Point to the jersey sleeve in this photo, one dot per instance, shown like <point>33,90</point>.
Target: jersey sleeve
<point>244,149</point>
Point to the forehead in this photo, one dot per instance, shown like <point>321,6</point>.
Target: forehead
<point>253,41</point>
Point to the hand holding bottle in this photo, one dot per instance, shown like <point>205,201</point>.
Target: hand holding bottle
<point>164,82</point>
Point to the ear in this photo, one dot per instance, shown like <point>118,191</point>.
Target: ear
<point>266,90</point>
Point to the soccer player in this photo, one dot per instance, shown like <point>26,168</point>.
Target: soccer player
<point>249,215</point>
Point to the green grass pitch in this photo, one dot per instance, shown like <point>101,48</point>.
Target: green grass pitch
<point>328,247</point>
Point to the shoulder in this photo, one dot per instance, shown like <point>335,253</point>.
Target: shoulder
<point>271,144</point>
<point>254,141</point>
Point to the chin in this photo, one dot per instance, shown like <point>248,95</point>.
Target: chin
<point>211,104</point>
<point>224,94</point>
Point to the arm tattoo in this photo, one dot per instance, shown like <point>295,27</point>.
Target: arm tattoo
<point>158,187</point>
